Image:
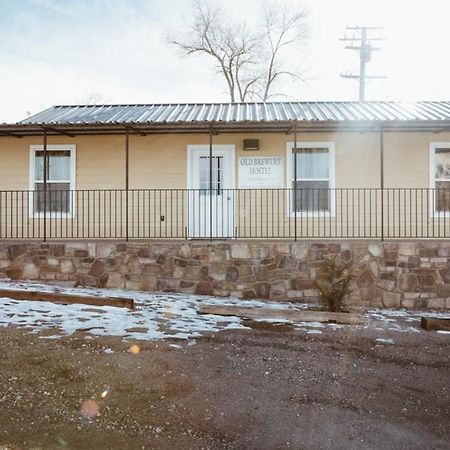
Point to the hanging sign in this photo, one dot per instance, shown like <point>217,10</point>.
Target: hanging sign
<point>257,172</point>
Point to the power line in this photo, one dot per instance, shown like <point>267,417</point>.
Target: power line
<point>364,40</point>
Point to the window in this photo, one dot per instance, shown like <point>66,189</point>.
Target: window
<point>312,178</point>
<point>440,176</point>
<point>216,175</point>
<point>60,168</point>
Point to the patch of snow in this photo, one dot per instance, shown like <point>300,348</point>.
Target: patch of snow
<point>443,332</point>
<point>163,315</point>
<point>177,346</point>
<point>384,341</point>
<point>313,332</point>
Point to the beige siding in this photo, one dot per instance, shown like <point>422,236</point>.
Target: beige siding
<point>160,162</point>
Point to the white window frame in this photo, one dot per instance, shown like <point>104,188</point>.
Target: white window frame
<point>432,161</point>
<point>32,181</point>
<point>330,146</point>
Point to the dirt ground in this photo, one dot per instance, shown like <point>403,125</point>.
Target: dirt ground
<point>269,387</point>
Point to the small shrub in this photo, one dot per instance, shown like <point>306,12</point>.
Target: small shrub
<point>333,284</point>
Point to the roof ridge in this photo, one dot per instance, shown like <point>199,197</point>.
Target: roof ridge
<point>249,103</point>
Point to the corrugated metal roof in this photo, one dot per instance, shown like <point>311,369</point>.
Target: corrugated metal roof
<point>196,113</point>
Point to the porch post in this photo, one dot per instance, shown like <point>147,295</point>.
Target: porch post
<point>382,180</point>
<point>210,180</point>
<point>45,184</point>
<point>127,163</point>
<point>295,181</point>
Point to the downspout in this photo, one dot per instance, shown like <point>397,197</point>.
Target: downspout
<point>127,184</point>
<point>295,182</point>
<point>210,181</point>
<point>382,179</point>
<point>45,175</point>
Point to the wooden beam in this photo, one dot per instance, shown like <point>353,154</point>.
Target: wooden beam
<point>67,299</point>
<point>10,133</point>
<point>55,130</point>
<point>294,315</point>
<point>136,130</point>
<point>435,323</point>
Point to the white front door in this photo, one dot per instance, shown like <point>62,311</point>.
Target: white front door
<point>211,206</point>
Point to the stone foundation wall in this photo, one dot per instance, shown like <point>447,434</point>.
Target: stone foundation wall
<point>394,274</point>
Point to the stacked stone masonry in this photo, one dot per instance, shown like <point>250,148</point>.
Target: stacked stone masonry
<point>391,274</point>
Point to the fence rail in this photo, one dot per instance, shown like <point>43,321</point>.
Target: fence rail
<point>225,213</point>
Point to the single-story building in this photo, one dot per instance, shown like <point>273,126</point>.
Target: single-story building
<point>253,170</point>
<point>191,186</point>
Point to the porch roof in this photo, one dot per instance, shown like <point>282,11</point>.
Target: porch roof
<point>236,117</point>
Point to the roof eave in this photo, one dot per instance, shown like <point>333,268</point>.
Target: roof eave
<point>33,129</point>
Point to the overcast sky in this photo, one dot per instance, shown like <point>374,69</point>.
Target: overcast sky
<point>66,51</point>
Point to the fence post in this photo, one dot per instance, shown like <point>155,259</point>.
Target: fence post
<point>45,184</point>
<point>382,180</point>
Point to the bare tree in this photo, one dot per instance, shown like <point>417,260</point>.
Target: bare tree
<point>252,60</point>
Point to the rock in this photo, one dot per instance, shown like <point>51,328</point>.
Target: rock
<point>97,269</point>
<point>299,250</point>
<point>287,262</point>
<point>115,281</point>
<point>262,289</point>
<point>151,268</point>
<point>407,248</point>
<point>185,251</point>
<point>248,294</point>
<point>436,303</point>
<point>218,276</point>
<point>204,288</point>
<point>48,276</point>
<point>374,249</point>
<point>180,262</point>
<point>149,283</point>
<point>300,284</point>
<point>133,285</point>
<point>426,280</point>
<point>443,290</point>
<point>92,249</point>
<point>407,282</point>
<point>283,247</point>
<point>57,249</point>
<point>66,266</point>
<point>105,250</point>
<point>75,245</point>
<point>444,250</point>
<point>445,275</point>
<point>193,273</point>
<point>30,272</point>
<point>365,280</point>
<point>14,272</point>
<point>374,268</point>
<point>232,273</point>
<point>240,250</point>
<point>277,290</point>
<point>391,299</point>
<point>16,250</point>
<point>87,280</point>
<point>4,264</point>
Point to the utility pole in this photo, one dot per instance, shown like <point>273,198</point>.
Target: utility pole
<point>362,39</point>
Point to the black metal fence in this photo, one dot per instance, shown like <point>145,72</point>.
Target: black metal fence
<point>225,213</point>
